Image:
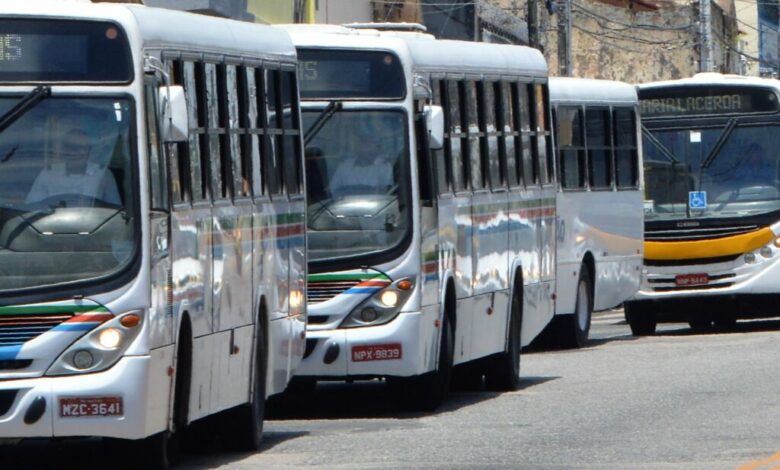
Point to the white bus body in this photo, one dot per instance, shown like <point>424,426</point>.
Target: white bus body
<point>467,250</point>
<point>712,210</point>
<point>212,264</point>
<point>599,207</point>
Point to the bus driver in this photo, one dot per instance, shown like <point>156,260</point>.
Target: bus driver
<point>73,173</point>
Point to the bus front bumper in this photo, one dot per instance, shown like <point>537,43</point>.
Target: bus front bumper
<point>400,348</point>
<point>37,405</point>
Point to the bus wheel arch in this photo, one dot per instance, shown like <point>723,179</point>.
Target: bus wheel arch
<point>503,370</point>
<point>183,375</point>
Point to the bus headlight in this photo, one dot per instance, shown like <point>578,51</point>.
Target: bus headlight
<point>750,258</point>
<point>101,348</point>
<point>766,252</point>
<point>381,307</point>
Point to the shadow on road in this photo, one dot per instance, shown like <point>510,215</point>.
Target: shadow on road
<point>372,399</point>
<point>742,326</point>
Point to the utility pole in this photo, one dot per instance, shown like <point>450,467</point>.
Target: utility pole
<point>705,23</point>
<point>564,38</point>
<point>532,18</point>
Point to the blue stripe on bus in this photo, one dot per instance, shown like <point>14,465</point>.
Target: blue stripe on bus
<point>85,326</point>
<point>9,353</point>
<point>362,290</point>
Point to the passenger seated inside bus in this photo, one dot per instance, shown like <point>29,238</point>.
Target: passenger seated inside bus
<point>74,175</point>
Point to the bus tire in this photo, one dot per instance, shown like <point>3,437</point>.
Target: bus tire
<point>640,318</point>
<point>700,325</point>
<point>159,451</point>
<point>503,370</point>
<point>573,329</point>
<point>244,424</point>
<point>427,392</point>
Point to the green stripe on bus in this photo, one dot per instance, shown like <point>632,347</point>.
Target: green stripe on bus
<point>345,277</point>
<point>43,309</point>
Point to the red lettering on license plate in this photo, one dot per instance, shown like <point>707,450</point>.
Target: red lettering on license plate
<point>376,352</point>
<point>684,280</point>
<point>91,406</point>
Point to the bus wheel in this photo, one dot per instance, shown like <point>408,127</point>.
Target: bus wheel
<point>503,370</point>
<point>573,329</point>
<point>244,424</point>
<point>427,392</point>
<point>160,451</point>
<point>726,322</point>
<point>640,318</point>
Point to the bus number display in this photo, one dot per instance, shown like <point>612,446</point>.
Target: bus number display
<point>10,47</point>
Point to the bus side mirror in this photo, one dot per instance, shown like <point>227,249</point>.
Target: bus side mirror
<point>434,122</point>
<point>173,113</point>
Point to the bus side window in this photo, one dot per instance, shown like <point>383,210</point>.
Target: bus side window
<point>291,146</point>
<point>456,136</point>
<point>538,137</point>
<point>475,134</point>
<point>177,152</point>
<point>272,165</point>
<point>571,148</point>
<point>214,112</point>
<point>158,176</point>
<point>257,114</point>
<point>192,87</point>
<point>626,154</point>
<point>233,130</point>
<point>503,117</point>
<point>443,157</point>
<point>245,123</point>
<point>525,110</point>
<point>490,154</point>
<point>543,111</point>
<point>598,144</point>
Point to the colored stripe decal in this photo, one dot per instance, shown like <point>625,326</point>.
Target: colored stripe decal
<point>74,326</point>
<point>362,290</point>
<point>346,277</point>
<point>43,309</point>
<point>9,353</point>
<point>713,248</point>
<point>90,318</point>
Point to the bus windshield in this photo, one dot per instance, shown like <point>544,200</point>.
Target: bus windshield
<point>357,183</point>
<point>712,172</point>
<point>66,211</point>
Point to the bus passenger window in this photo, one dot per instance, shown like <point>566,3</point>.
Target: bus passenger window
<point>491,136</point>
<point>291,152</point>
<point>456,134</point>
<point>192,87</point>
<point>571,148</point>
<point>598,143</point>
<point>234,165</point>
<point>255,88</point>
<point>271,164</point>
<point>528,151</point>
<point>177,152</point>
<point>474,134</point>
<point>441,156</point>
<point>538,126</point>
<point>626,163</point>
<point>214,149</point>
<point>507,127</point>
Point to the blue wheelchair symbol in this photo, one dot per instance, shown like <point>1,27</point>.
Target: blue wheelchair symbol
<point>697,199</point>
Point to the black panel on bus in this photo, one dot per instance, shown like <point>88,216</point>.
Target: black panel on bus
<point>349,74</point>
<point>57,51</point>
<point>706,100</point>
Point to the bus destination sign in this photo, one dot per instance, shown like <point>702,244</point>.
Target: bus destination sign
<point>702,101</point>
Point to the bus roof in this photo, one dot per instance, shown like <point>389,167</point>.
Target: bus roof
<point>713,78</point>
<point>586,90</point>
<point>193,31</point>
<point>428,54</point>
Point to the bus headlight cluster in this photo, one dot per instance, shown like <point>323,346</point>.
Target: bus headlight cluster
<point>381,307</point>
<point>100,348</point>
<point>766,252</point>
<point>750,258</point>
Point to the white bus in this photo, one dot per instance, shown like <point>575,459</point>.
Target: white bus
<point>152,250</point>
<point>712,203</point>
<point>431,193</point>
<point>599,202</point>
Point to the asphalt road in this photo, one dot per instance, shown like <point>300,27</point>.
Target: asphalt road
<point>677,400</point>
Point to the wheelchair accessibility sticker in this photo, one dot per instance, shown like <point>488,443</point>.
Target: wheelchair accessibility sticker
<point>697,199</point>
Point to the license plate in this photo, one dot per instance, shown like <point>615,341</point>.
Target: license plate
<point>684,280</point>
<point>91,406</point>
<point>376,352</point>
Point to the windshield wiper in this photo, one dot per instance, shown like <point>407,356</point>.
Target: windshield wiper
<point>660,146</point>
<point>324,116</point>
<point>719,143</point>
<point>25,104</point>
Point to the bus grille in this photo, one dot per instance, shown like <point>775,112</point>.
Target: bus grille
<point>18,329</point>
<point>697,233</point>
<point>321,291</point>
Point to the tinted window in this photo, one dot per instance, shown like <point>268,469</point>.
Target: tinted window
<point>599,152</point>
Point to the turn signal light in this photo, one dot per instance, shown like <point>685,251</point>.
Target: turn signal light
<point>130,321</point>
<point>777,242</point>
<point>404,284</point>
